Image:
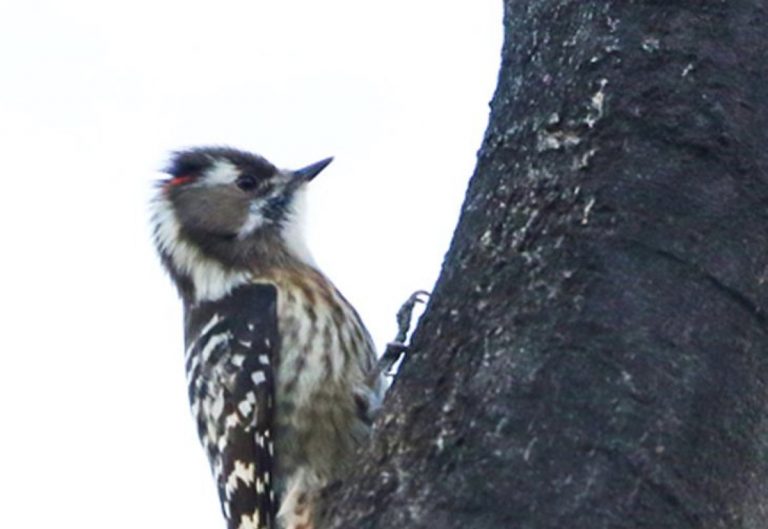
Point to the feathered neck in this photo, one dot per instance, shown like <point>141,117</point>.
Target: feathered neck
<point>206,268</point>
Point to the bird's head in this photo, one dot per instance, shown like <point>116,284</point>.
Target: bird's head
<point>230,207</point>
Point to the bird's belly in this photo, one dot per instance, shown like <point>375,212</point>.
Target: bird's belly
<point>321,374</point>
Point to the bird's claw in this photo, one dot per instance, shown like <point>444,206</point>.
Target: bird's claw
<point>405,314</point>
<point>397,348</point>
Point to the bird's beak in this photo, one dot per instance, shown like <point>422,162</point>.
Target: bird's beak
<point>307,173</point>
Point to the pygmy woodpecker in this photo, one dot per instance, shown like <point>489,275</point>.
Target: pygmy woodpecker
<point>278,362</point>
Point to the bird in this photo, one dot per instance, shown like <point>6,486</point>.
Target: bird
<point>280,367</point>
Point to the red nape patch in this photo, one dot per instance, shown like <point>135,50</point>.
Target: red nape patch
<point>179,180</point>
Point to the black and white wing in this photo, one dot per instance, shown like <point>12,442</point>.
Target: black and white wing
<point>231,351</point>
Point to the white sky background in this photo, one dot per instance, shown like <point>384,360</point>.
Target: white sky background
<point>96,430</point>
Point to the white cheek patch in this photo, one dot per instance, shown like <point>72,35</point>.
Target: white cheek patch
<point>256,212</point>
<point>222,172</point>
<point>254,221</point>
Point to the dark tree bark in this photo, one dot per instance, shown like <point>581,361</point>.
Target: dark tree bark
<point>595,353</point>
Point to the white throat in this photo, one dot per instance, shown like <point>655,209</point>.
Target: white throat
<point>294,228</point>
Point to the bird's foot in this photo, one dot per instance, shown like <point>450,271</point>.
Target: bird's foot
<point>398,347</point>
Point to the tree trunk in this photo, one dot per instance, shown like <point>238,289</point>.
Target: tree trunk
<point>594,354</point>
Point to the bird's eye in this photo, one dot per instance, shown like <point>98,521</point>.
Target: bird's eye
<point>246,183</point>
